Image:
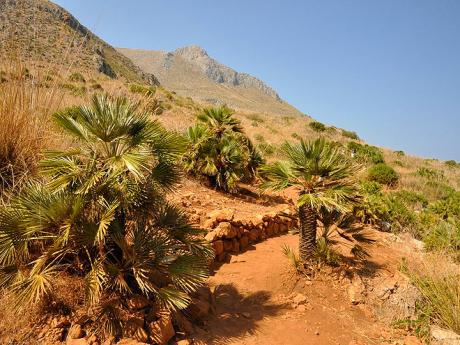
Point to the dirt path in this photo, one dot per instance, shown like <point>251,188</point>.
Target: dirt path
<point>254,305</point>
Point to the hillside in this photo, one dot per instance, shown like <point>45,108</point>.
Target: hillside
<point>190,71</point>
<point>42,32</point>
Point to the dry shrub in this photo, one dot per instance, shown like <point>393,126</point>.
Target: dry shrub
<point>25,109</point>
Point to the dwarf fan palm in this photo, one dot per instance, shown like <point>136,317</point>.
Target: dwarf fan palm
<point>102,214</point>
<point>219,150</point>
<point>323,179</point>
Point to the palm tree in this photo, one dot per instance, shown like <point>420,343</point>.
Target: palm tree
<point>323,178</point>
<point>219,150</point>
<point>102,214</point>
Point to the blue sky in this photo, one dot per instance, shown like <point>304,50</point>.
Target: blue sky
<point>388,69</point>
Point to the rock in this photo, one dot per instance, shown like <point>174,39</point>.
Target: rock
<point>225,215</point>
<point>130,341</point>
<point>134,328</point>
<point>444,336</point>
<point>198,309</point>
<point>138,302</point>
<point>75,332</point>
<point>356,290</point>
<point>60,322</point>
<point>81,341</point>
<point>225,230</point>
<point>209,224</point>
<point>244,242</point>
<point>388,286</point>
<point>235,245</point>
<point>254,235</point>
<point>299,299</point>
<point>412,340</point>
<point>212,236</point>
<point>183,342</point>
<point>257,221</point>
<point>218,247</point>
<point>228,246</point>
<point>162,330</point>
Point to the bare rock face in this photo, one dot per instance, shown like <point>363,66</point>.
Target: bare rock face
<point>444,336</point>
<point>220,73</point>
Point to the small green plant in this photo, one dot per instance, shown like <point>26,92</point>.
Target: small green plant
<point>295,136</point>
<point>370,187</point>
<point>398,163</point>
<point>77,78</point>
<point>383,174</point>
<point>317,126</point>
<point>260,138</point>
<point>400,153</point>
<point>350,134</point>
<point>74,89</point>
<point>443,236</point>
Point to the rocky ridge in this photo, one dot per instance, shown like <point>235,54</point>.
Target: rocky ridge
<point>41,32</point>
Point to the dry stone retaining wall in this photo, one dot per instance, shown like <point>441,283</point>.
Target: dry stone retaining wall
<point>230,233</point>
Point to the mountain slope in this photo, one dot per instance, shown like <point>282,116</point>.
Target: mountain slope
<point>190,71</point>
<point>44,33</point>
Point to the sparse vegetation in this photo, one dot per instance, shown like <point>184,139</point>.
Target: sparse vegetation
<point>142,89</point>
<point>350,134</point>
<point>317,126</point>
<point>77,78</point>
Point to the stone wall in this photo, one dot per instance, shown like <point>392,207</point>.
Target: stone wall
<point>230,233</point>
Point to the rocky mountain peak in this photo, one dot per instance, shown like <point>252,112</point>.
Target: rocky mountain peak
<point>220,73</point>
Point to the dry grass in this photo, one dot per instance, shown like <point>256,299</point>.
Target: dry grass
<point>438,280</point>
<point>25,110</point>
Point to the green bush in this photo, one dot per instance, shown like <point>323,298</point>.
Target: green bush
<point>77,77</point>
<point>400,153</point>
<point>411,198</point>
<point>317,126</point>
<point>350,134</point>
<point>384,174</point>
<point>366,153</point>
<point>370,187</point>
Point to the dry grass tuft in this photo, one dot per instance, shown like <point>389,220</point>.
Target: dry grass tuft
<point>25,109</point>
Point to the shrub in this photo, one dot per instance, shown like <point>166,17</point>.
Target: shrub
<point>102,214</point>
<point>219,150</point>
<point>350,134</point>
<point>398,163</point>
<point>317,126</point>
<point>296,136</point>
<point>96,86</point>
<point>384,174</point>
<point>260,138</point>
<point>448,207</point>
<point>77,77</point>
<point>365,153</point>
<point>411,198</point>
<point>145,90</point>
<point>400,153</point>
<point>451,164</point>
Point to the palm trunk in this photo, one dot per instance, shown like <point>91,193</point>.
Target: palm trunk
<point>307,233</point>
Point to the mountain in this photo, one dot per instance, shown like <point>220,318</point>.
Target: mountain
<point>44,33</point>
<point>190,71</point>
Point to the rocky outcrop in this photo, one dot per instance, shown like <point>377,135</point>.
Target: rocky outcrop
<point>220,73</point>
<point>230,234</point>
